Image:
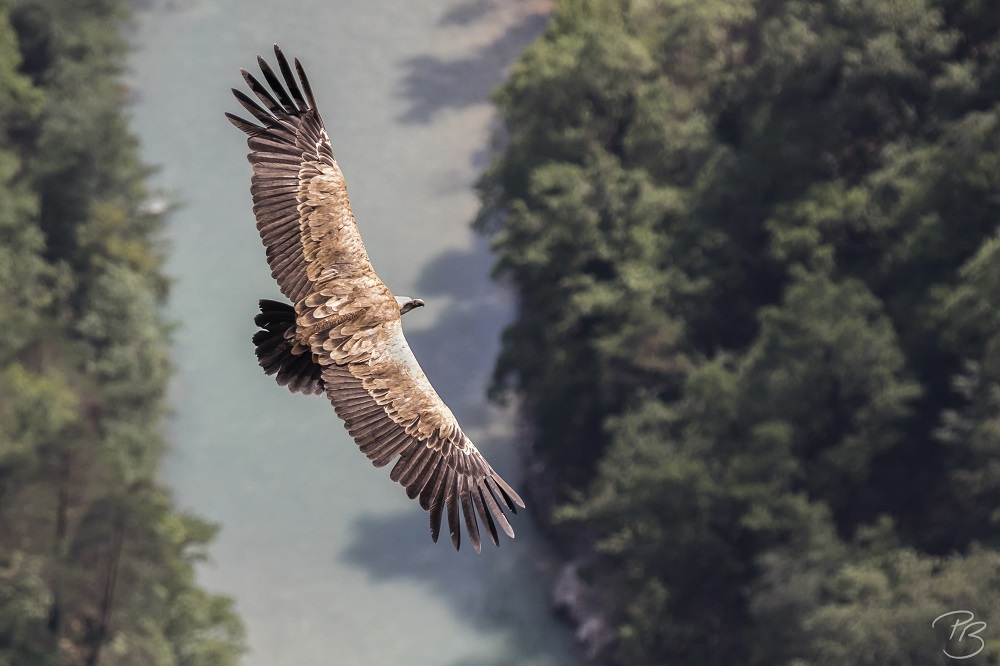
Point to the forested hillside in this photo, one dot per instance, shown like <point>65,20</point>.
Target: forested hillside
<point>756,250</point>
<point>96,566</point>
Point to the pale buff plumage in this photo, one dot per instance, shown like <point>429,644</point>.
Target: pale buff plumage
<point>344,336</point>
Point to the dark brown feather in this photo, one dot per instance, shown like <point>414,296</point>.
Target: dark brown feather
<point>477,500</point>
<point>451,500</point>
<point>465,493</point>
<point>293,87</point>
<point>262,94</point>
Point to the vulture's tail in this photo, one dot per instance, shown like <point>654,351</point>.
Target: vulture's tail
<point>274,350</point>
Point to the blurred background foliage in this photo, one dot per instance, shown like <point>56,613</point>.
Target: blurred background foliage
<point>756,250</point>
<point>96,566</point>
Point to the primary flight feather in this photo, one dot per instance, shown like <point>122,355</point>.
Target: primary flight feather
<point>343,336</point>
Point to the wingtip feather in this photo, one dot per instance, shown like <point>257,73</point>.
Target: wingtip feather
<point>242,124</point>
<point>304,80</point>
<point>471,526</point>
<point>484,516</point>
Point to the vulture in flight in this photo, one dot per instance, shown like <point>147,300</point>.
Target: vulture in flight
<point>342,334</point>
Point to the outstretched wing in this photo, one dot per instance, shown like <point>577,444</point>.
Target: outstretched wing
<point>390,409</point>
<point>347,338</point>
<point>300,197</point>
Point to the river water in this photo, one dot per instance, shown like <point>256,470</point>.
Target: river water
<point>328,561</point>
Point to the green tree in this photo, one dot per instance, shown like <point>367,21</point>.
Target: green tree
<point>96,564</point>
<point>754,246</point>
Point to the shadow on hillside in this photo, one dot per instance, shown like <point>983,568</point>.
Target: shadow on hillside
<point>497,602</point>
<point>431,84</point>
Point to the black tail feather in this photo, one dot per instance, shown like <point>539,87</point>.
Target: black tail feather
<point>274,350</point>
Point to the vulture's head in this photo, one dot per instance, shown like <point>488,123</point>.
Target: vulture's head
<point>406,304</point>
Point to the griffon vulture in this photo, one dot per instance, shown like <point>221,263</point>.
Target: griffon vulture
<point>342,335</point>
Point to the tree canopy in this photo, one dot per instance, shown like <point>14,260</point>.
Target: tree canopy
<point>96,564</point>
<point>756,250</point>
